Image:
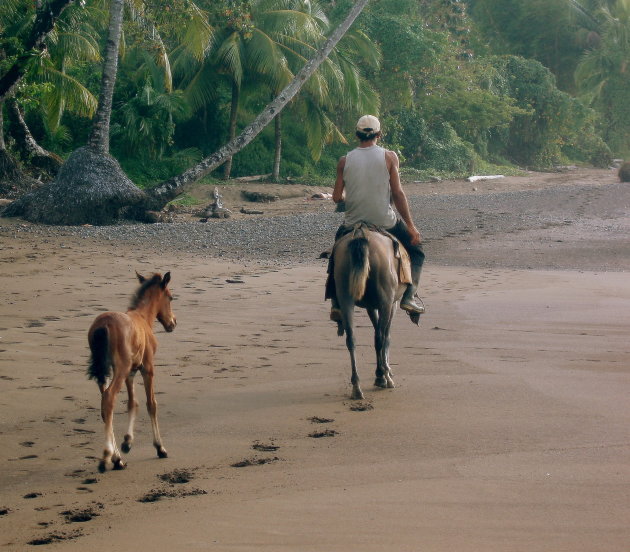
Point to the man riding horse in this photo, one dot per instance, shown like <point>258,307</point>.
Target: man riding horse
<point>368,181</point>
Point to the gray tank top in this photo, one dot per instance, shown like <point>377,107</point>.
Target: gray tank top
<point>366,183</point>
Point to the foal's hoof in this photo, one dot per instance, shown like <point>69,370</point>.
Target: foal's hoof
<point>161,452</point>
<point>126,446</point>
<point>119,464</point>
<point>102,466</point>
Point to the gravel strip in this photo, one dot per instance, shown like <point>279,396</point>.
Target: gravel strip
<point>446,221</point>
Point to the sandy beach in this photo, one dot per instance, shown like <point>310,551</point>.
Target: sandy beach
<point>508,429</point>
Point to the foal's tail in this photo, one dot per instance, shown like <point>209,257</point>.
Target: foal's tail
<point>359,266</point>
<point>100,360</point>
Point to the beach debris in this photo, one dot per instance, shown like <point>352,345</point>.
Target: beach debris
<point>321,195</point>
<point>216,208</point>
<point>259,197</point>
<point>484,177</point>
<point>251,211</point>
<point>255,178</point>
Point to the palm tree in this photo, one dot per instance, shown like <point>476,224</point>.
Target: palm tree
<point>102,199</point>
<point>603,74</point>
<point>254,46</point>
<point>43,24</point>
<point>172,187</point>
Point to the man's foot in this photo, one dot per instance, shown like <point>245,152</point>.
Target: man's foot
<point>412,306</point>
<point>335,315</point>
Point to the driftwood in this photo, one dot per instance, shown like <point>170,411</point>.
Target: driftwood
<point>256,178</point>
<point>259,197</point>
<point>251,211</point>
<point>487,177</point>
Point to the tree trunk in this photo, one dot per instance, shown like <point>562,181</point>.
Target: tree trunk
<point>38,157</point>
<point>275,174</point>
<point>171,188</point>
<point>236,89</point>
<point>99,137</point>
<point>13,182</point>
<point>44,23</point>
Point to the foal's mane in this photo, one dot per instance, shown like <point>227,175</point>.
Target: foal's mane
<point>138,296</point>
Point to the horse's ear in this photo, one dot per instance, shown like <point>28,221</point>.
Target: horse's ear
<point>140,277</point>
<point>166,280</point>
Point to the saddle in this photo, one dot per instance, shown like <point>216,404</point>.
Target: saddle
<point>358,231</point>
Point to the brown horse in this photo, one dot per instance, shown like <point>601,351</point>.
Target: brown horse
<point>366,275</point>
<point>121,344</point>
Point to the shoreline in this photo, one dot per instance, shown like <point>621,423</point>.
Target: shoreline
<point>507,429</point>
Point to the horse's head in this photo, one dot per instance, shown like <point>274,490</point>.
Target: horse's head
<point>161,298</point>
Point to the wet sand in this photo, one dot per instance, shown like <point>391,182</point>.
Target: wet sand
<point>507,429</point>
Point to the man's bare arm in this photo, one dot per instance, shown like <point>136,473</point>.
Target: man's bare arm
<point>338,194</point>
<point>399,197</point>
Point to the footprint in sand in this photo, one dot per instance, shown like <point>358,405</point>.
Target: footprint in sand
<point>361,407</point>
<point>325,433</point>
<point>265,447</point>
<point>83,515</point>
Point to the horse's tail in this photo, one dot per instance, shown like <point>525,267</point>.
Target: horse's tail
<point>359,266</point>
<point>100,360</point>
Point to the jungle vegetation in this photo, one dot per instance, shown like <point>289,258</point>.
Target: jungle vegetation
<point>461,86</point>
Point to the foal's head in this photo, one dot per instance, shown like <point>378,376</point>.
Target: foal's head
<point>154,291</point>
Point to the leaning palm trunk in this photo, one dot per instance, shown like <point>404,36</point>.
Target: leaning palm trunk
<point>40,158</point>
<point>236,94</point>
<point>173,187</point>
<point>44,23</point>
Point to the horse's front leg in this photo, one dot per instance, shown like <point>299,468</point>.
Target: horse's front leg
<point>147,376</point>
<point>132,410</point>
<point>111,454</point>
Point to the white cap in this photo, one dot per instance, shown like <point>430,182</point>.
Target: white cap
<point>368,124</point>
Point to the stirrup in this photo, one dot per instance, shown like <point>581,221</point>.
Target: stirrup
<point>412,307</point>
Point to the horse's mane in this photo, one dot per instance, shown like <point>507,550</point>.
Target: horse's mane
<point>141,291</point>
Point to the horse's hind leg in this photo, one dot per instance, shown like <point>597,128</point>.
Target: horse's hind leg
<point>111,454</point>
<point>357,394</point>
<point>132,410</point>
<point>380,380</point>
<point>381,344</point>
<point>147,376</point>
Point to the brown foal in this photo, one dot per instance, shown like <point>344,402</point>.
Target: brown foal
<point>121,344</point>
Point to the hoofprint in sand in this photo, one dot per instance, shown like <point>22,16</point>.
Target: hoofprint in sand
<point>507,429</point>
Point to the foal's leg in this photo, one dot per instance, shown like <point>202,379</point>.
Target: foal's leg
<point>147,376</point>
<point>111,454</point>
<point>132,410</point>
<point>347,317</point>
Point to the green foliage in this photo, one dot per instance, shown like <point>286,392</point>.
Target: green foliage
<point>427,68</point>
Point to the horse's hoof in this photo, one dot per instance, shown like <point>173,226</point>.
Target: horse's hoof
<point>356,396</point>
<point>126,446</point>
<point>102,466</point>
<point>390,385</point>
<point>381,382</point>
<point>161,452</point>
<point>119,464</point>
